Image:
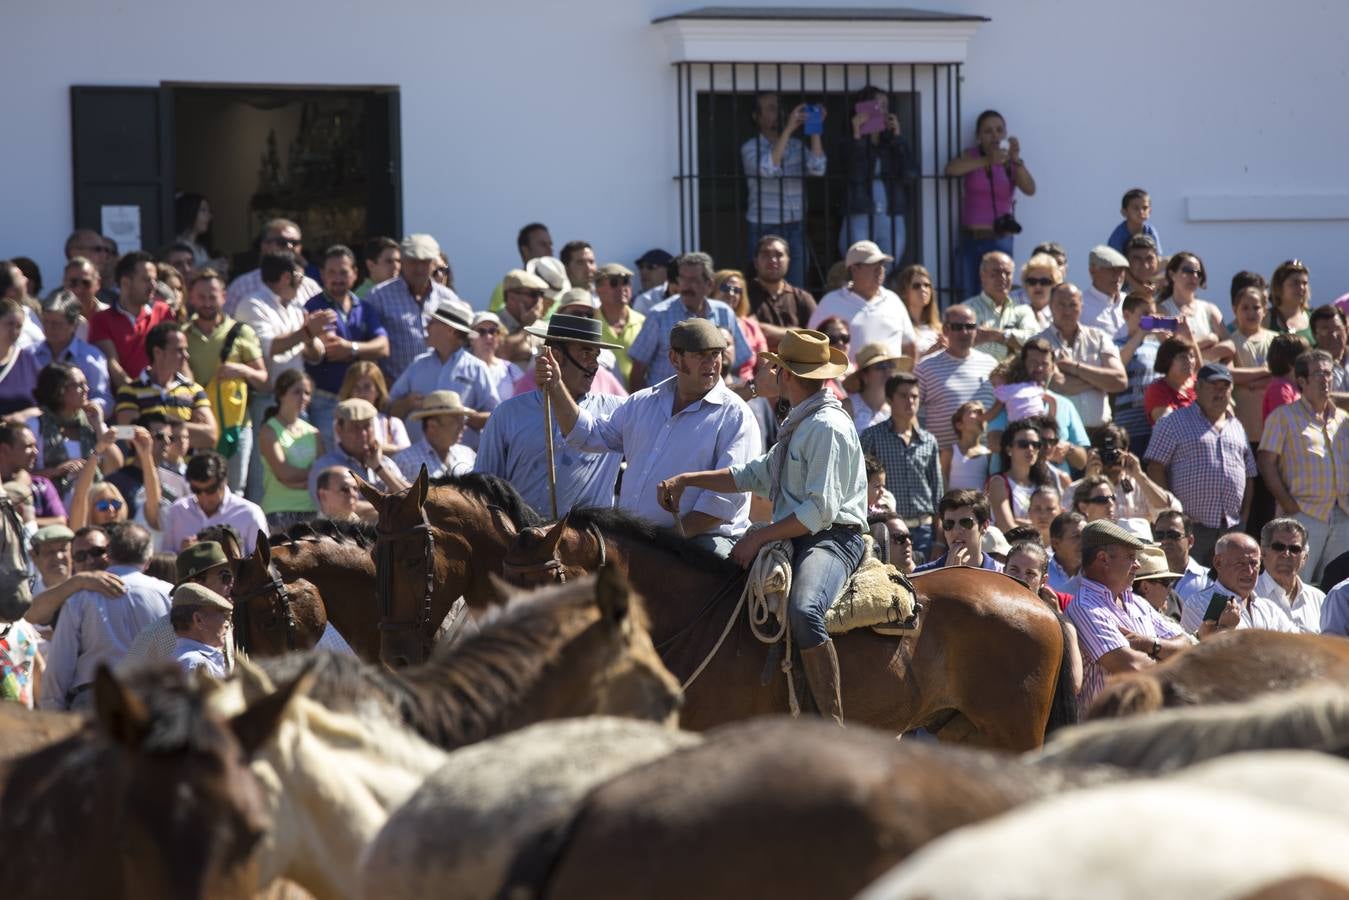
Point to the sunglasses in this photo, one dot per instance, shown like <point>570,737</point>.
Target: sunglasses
<point>80,282</point>
<point>1168,535</point>
<point>1024,444</point>
<point>108,505</point>
<point>442,271</point>
<point>1190,270</point>
<point>965,522</point>
<point>209,489</point>
<point>616,281</point>
<point>1281,547</point>
<point>837,340</point>
<point>901,538</point>
<point>91,553</point>
<point>961,326</point>
<point>488,332</point>
<point>733,290</point>
<point>1039,282</point>
<point>286,242</point>
<point>1099,501</point>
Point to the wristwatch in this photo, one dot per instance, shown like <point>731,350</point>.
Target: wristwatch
<point>1156,650</point>
<point>354,351</point>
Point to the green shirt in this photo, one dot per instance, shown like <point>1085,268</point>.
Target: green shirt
<point>300,446</point>
<point>229,400</point>
<point>624,337</point>
<point>1016,317</point>
<point>824,482</point>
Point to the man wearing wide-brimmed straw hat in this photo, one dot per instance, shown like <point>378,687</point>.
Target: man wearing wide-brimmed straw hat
<point>514,445</point>
<point>815,477</point>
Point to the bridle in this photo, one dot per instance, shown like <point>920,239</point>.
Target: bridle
<point>552,568</point>
<point>274,585</point>
<point>384,578</point>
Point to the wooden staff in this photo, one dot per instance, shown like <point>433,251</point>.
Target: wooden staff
<point>548,439</point>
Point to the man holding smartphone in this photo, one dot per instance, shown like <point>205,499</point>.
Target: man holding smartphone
<point>1231,601</point>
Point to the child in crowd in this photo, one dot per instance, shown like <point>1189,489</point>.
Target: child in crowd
<point>964,464</point>
<point>879,500</point>
<point>1017,393</point>
<point>1136,207</point>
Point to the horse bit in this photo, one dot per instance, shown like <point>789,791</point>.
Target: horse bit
<point>384,577</point>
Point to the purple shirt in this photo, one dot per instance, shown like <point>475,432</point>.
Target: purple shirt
<point>185,518</point>
<point>1098,618</point>
<point>1207,465</point>
<point>362,323</point>
<point>46,499</point>
<point>16,388</point>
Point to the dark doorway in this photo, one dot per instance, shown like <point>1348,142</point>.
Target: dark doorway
<point>329,158</point>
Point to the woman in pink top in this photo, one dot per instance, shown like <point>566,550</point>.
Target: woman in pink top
<point>1283,352</point>
<point>991,173</point>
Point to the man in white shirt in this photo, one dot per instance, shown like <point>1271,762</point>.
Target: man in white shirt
<point>278,236</point>
<point>1089,367</point>
<point>1103,302</point>
<point>874,313</point>
<point>1283,547</point>
<point>690,421</point>
<point>1174,533</point>
<point>1236,562</point>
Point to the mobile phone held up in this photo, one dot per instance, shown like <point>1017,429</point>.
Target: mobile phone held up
<point>875,121</point>
<point>1216,607</point>
<point>1159,323</point>
<point>814,119</point>
<point>124,432</point>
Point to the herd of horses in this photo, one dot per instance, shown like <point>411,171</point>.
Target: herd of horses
<point>537,756</point>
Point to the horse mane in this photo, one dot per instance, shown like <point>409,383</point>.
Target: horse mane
<point>610,520</point>
<point>464,694</point>
<point>343,532</point>
<point>1314,718</point>
<point>495,492</point>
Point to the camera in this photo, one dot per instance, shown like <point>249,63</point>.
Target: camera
<point>1006,224</point>
<point>1109,450</point>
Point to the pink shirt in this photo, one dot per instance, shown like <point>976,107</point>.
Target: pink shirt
<point>1279,392</point>
<point>605,383</point>
<point>980,205</point>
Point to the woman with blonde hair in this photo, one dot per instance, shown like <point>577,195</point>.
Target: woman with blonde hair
<point>365,381</point>
<point>101,503</point>
<point>732,289</point>
<point>1038,277</point>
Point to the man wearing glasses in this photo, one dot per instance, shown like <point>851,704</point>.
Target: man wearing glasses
<point>278,236</point>
<point>1174,533</point>
<point>963,514</point>
<point>1283,549</point>
<point>205,564</point>
<point>211,502</point>
<point>955,375</point>
<point>1117,631</point>
<point>1236,565</point>
<point>81,277</point>
<point>619,322</point>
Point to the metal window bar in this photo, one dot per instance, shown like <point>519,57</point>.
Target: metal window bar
<point>715,102</point>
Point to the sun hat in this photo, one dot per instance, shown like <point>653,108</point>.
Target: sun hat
<point>808,355</point>
<point>549,269</point>
<point>198,558</point>
<point>440,403</point>
<point>456,314</point>
<point>573,329</point>
<point>1152,564</point>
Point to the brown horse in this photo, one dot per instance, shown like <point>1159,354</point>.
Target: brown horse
<point>154,799</point>
<point>775,808</point>
<point>1227,668</point>
<point>571,650</point>
<point>24,730</point>
<point>436,544</point>
<point>988,667</point>
<point>316,573</point>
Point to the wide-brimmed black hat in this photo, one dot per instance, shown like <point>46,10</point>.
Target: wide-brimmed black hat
<point>575,329</point>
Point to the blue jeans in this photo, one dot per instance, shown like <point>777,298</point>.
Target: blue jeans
<point>322,413</point>
<point>870,227</point>
<point>968,256</point>
<point>796,246</point>
<point>821,568</point>
<point>238,463</point>
<point>717,543</point>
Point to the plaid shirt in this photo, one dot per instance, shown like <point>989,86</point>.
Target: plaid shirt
<point>1098,618</point>
<point>404,319</point>
<point>1010,316</point>
<point>912,468</point>
<point>1207,465</point>
<point>1313,457</point>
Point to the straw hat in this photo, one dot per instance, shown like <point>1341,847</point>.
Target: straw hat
<point>440,403</point>
<point>807,354</point>
<point>1152,564</point>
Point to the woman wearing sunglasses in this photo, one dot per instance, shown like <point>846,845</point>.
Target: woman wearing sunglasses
<point>1023,471</point>
<point>486,340</point>
<point>1038,277</point>
<point>1185,276</point>
<point>731,290</point>
<point>101,503</point>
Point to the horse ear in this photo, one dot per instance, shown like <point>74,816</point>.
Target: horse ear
<point>256,683</point>
<point>256,724</point>
<point>372,494</point>
<point>613,594</point>
<point>421,486</point>
<point>502,588</point>
<point>553,539</point>
<point>263,550</point>
<point>121,714</point>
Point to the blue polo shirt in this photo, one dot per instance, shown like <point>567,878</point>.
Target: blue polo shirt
<point>362,323</point>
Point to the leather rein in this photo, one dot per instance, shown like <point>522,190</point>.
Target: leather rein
<point>274,585</point>
<point>384,559</point>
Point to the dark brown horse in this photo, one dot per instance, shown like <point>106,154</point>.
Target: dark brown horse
<point>316,573</point>
<point>571,650</point>
<point>1227,668</point>
<point>989,666</point>
<point>154,799</point>
<point>437,543</point>
<point>776,808</point>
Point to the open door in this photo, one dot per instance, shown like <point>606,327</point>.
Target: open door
<point>123,159</point>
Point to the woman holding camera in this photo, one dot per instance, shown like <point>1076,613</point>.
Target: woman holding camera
<point>992,172</point>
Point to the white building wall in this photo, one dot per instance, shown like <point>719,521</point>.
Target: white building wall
<point>514,111</point>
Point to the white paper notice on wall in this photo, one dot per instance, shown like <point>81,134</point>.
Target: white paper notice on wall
<point>123,225</point>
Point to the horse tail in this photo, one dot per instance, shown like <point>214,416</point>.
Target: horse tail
<point>1129,696</point>
<point>1063,706</point>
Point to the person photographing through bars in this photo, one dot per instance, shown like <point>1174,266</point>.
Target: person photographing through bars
<point>814,476</point>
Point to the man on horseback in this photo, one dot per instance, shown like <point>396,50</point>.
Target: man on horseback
<point>814,476</point>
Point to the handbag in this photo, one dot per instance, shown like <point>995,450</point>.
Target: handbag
<point>228,444</point>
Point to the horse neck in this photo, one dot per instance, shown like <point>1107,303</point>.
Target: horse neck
<point>344,576</point>
<point>674,592</point>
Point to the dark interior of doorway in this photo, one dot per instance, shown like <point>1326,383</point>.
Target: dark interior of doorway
<point>326,158</point>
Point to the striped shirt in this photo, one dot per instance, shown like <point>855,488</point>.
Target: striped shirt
<point>405,318</point>
<point>1313,458</point>
<point>1256,611</point>
<point>1099,618</point>
<point>945,382</point>
<point>458,461</point>
<point>1129,412</point>
<point>178,400</point>
<point>1206,464</point>
<point>777,193</point>
<point>912,467</point>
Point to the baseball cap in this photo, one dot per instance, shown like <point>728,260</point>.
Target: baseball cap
<point>654,257</point>
<point>1215,372</point>
<point>864,252</point>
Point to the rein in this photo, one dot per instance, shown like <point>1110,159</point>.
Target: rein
<point>274,585</point>
<point>384,560</point>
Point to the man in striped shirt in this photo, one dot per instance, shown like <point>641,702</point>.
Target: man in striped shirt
<point>953,376</point>
<point>1116,631</point>
<point>163,388</point>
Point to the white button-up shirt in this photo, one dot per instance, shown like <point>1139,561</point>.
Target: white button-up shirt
<point>715,432</point>
<point>271,318</point>
<point>1256,611</point>
<point>250,284</point>
<point>1101,310</point>
<point>1303,607</point>
<point>882,319</point>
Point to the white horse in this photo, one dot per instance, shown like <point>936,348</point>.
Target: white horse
<point>460,832</point>
<point>1155,838</point>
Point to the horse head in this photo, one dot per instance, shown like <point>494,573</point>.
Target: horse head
<point>542,555</point>
<point>273,616</point>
